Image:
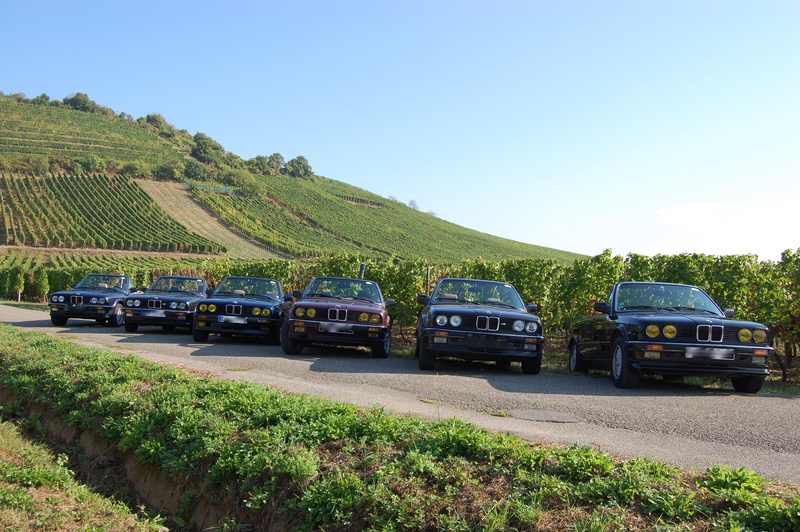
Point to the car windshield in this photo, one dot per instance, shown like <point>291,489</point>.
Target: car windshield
<point>100,282</point>
<point>190,285</point>
<point>633,297</point>
<point>357,289</point>
<point>249,286</point>
<point>477,292</point>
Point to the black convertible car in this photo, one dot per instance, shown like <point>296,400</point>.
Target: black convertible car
<point>250,306</point>
<point>478,320</point>
<point>168,303</point>
<point>673,330</point>
<point>98,296</point>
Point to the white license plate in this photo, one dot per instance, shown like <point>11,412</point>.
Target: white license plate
<point>232,319</point>
<point>710,353</point>
<point>337,328</point>
<point>154,314</point>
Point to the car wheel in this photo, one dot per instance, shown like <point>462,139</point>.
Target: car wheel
<point>58,321</point>
<point>117,317</point>
<point>622,374</point>
<point>131,327</point>
<point>289,346</point>
<point>576,362</point>
<point>532,366</point>
<point>199,336</point>
<point>747,384</point>
<point>382,351</point>
<point>427,360</point>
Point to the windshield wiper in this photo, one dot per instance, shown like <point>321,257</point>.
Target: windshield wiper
<point>695,309</point>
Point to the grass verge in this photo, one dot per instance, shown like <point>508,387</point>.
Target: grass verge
<point>289,461</point>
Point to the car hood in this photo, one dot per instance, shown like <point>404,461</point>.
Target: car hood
<point>349,304</point>
<point>89,292</point>
<point>239,300</point>
<point>166,295</point>
<point>482,310</point>
<point>673,317</point>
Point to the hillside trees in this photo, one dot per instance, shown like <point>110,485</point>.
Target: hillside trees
<point>299,167</point>
<point>206,149</point>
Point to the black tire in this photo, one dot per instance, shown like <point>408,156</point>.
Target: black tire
<point>117,318</point>
<point>427,360</point>
<point>623,375</point>
<point>576,362</point>
<point>199,336</point>
<point>532,366</point>
<point>131,327</point>
<point>383,350</point>
<point>747,384</point>
<point>58,321</point>
<point>289,346</point>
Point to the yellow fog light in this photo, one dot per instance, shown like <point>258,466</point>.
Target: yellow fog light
<point>758,360</point>
<point>760,335</point>
<point>375,318</point>
<point>363,317</point>
<point>670,331</point>
<point>299,312</point>
<point>745,335</point>
<point>652,354</point>
<point>203,307</point>
<point>652,330</point>
<point>256,311</point>
<point>212,307</point>
<point>266,312</point>
<point>311,312</point>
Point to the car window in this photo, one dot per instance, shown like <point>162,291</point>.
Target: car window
<point>476,291</point>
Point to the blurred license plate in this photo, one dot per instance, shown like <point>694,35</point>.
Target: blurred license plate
<point>338,328</point>
<point>711,353</point>
<point>154,313</point>
<point>232,319</point>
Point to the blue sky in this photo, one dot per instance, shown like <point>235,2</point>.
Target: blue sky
<point>643,126</point>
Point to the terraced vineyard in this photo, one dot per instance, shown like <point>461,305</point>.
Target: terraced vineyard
<point>90,212</point>
<point>323,216</point>
<point>27,129</point>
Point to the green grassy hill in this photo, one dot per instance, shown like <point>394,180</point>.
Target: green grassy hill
<point>68,181</point>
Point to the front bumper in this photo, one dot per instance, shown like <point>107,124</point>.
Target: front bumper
<point>337,333</point>
<point>220,324</point>
<point>87,312</point>
<point>159,318</point>
<point>482,345</point>
<point>724,360</point>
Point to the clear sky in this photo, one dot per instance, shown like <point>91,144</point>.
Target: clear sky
<point>643,126</point>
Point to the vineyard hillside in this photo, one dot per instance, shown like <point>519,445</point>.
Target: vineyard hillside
<point>86,177</point>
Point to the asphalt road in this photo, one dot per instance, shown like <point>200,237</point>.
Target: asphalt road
<point>683,426</point>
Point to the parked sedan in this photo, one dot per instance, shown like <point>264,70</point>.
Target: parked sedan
<point>673,330</point>
<point>98,296</point>
<point>249,306</point>
<point>168,303</point>
<point>476,319</point>
<point>338,311</point>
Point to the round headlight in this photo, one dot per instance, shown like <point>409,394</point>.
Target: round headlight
<point>364,316</point>
<point>745,335</point>
<point>532,327</point>
<point>652,330</point>
<point>375,318</point>
<point>311,312</point>
<point>137,303</point>
<point>760,335</point>
<point>670,331</point>
<point>54,299</point>
<point>183,306</point>
<point>93,301</point>
<point>61,299</point>
<point>455,321</point>
<point>173,305</point>
<point>441,320</point>
<point>102,301</point>
<point>518,326</point>
<point>266,312</point>
<point>256,311</point>
<point>202,307</point>
<point>212,307</point>
<point>300,312</point>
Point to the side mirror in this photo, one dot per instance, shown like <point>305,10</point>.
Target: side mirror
<point>297,294</point>
<point>389,301</point>
<point>729,312</point>
<point>602,306</point>
<point>422,299</point>
<point>288,298</point>
<point>532,307</point>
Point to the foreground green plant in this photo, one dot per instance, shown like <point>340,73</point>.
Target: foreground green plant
<point>312,464</point>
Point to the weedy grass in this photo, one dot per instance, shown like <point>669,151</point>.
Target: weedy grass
<point>38,492</point>
<point>314,464</point>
